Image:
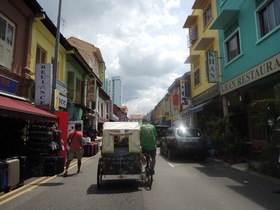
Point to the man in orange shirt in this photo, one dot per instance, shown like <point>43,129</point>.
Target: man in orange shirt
<point>75,141</point>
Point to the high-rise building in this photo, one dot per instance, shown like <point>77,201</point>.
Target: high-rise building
<point>113,88</point>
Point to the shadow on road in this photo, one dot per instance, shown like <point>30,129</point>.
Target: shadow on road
<point>50,184</point>
<point>255,188</point>
<point>115,187</point>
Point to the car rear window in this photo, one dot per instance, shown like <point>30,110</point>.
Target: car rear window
<point>191,132</point>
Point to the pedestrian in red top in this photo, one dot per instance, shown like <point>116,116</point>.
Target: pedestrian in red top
<point>75,141</point>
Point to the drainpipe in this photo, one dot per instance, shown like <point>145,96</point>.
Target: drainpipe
<point>225,106</point>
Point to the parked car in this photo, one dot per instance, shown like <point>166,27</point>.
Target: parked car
<point>161,131</point>
<point>183,141</point>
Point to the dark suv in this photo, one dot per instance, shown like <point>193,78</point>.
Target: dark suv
<point>184,141</point>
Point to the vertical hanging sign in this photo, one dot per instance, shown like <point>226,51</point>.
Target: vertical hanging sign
<point>43,86</point>
<point>184,88</point>
<point>212,64</point>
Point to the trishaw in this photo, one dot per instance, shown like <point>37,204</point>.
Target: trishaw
<point>121,156</point>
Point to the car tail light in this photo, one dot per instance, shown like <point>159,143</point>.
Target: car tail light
<point>174,141</point>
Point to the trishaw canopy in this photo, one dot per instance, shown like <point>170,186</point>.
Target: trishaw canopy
<point>119,131</point>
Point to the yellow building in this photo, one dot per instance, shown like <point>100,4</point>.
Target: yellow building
<point>203,58</point>
<point>43,46</point>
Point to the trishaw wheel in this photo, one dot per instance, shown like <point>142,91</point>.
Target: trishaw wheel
<point>149,173</point>
<point>149,179</point>
<point>99,176</point>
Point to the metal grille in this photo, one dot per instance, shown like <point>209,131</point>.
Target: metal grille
<point>231,29</point>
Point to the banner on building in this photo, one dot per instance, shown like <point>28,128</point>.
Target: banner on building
<point>62,88</point>
<point>213,67</point>
<point>90,91</point>
<point>185,91</point>
<point>43,86</point>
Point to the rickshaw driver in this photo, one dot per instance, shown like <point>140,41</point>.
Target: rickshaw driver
<point>148,140</point>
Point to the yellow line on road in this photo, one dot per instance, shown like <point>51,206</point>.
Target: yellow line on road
<point>20,188</point>
<point>72,165</point>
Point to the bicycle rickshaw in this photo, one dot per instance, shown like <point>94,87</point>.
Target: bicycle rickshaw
<point>121,156</point>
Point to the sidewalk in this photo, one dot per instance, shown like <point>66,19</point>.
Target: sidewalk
<point>244,167</point>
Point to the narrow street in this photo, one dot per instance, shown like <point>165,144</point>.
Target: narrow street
<point>180,184</point>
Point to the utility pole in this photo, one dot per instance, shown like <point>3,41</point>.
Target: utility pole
<point>56,55</point>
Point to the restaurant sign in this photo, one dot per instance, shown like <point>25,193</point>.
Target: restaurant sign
<point>258,72</point>
<point>212,64</point>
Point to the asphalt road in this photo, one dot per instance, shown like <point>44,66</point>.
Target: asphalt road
<point>183,183</point>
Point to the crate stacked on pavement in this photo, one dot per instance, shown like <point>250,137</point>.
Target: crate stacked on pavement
<point>91,149</point>
<point>39,139</point>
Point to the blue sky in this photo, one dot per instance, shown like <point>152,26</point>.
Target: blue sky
<point>142,41</point>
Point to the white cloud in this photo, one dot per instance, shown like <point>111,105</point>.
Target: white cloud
<point>142,41</point>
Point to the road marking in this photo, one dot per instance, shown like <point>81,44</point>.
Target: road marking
<point>171,165</point>
<point>72,165</point>
<point>20,188</point>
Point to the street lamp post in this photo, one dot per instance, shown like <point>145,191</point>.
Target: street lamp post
<point>55,66</point>
<point>128,100</point>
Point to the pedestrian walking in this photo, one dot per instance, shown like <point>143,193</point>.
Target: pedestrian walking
<point>76,147</point>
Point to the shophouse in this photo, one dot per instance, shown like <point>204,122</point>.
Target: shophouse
<point>203,58</point>
<point>81,82</point>
<point>136,118</point>
<point>250,58</point>
<point>174,91</point>
<point>94,59</point>
<point>159,113</point>
<point>17,81</point>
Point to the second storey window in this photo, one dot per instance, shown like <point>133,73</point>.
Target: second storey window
<point>7,34</point>
<point>269,17</point>
<point>207,15</point>
<point>41,55</point>
<point>233,47</point>
<point>196,77</point>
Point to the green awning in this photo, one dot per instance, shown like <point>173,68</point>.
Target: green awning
<point>225,17</point>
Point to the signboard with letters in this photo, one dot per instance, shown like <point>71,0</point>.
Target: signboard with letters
<point>264,69</point>
<point>43,86</point>
<point>8,85</point>
<point>213,69</point>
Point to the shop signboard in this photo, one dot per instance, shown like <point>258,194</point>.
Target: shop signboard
<point>90,91</point>
<point>212,64</point>
<point>62,88</point>
<point>8,85</point>
<point>185,91</point>
<point>43,86</point>
<point>260,71</point>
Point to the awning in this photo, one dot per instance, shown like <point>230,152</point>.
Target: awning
<point>191,20</point>
<point>198,4</point>
<point>192,58</point>
<point>10,107</point>
<point>225,17</point>
<point>195,109</point>
<point>204,43</point>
